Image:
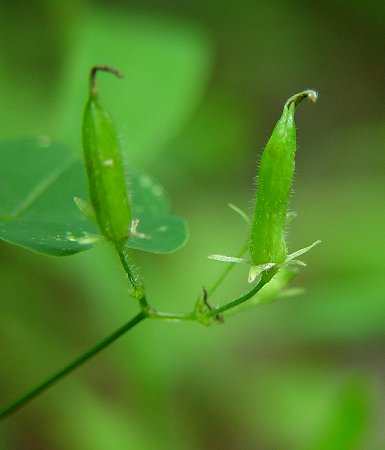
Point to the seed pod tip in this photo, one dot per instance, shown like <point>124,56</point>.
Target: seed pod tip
<point>310,94</point>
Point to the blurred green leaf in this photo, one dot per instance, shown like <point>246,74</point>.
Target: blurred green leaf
<point>166,66</point>
<point>38,184</point>
<point>47,57</point>
<point>307,405</point>
<point>348,419</point>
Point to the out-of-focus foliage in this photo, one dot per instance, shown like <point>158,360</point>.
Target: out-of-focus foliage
<point>205,82</point>
<point>38,209</point>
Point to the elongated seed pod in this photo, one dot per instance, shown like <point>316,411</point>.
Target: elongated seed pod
<point>275,178</point>
<point>106,178</point>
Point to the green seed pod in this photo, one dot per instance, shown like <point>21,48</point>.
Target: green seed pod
<point>106,178</point>
<point>276,171</point>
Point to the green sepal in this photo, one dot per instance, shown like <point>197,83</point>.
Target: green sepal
<point>256,271</point>
<point>230,259</point>
<point>292,257</point>
<point>268,269</point>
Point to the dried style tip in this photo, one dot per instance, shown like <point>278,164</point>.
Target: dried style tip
<point>105,68</point>
<point>310,94</point>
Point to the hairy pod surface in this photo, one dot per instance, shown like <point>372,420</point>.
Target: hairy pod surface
<point>275,179</point>
<point>106,178</point>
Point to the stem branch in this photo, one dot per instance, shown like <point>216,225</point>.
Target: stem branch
<point>146,312</point>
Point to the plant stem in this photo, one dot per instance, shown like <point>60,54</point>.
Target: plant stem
<point>146,312</point>
<point>138,288</point>
<point>127,269</point>
<point>239,300</point>
<point>78,362</point>
<point>172,317</point>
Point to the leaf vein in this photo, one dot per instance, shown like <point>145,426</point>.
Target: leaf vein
<point>40,187</point>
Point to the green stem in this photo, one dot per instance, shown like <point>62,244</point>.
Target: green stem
<point>220,279</point>
<point>127,269</point>
<point>239,300</point>
<point>171,317</point>
<point>192,316</point>
<point>147,312</point>
<point>138,288</point>
<point>75,364</point>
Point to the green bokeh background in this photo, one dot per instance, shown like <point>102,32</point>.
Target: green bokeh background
<point>204,84</point>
